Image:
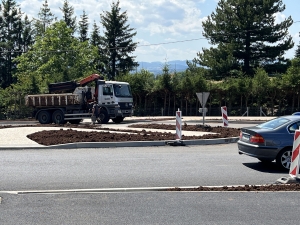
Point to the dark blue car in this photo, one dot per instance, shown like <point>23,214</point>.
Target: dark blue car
<point>272,140</point>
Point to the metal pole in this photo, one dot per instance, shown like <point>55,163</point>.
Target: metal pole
<point>203,107</point>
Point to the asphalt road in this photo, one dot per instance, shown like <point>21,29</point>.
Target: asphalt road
<point>210,165</point>
<point>206,165</point>
<point>150,208</point>
<point>140,167</point>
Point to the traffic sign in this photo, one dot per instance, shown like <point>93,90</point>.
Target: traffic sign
<point>202,96</point>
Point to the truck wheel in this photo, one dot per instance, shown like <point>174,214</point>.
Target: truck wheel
<point>118,119</point>
<point>58,117</point>
<point>104,117</point>
<point>44,117</point>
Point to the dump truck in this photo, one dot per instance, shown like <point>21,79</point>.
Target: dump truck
<point>71,101</point>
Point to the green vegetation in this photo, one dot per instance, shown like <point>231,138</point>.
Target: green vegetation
<point>244,68</point>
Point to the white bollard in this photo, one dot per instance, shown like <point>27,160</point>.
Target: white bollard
<point>178,125</point>
<point>294,168</point>
<point>224,116</point>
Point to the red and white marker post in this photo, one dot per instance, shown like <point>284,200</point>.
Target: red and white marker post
<point>294,168</point>
<point>178,125</point>
<point>224,116</point>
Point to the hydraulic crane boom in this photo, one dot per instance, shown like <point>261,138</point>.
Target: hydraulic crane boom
<point>89,79</point>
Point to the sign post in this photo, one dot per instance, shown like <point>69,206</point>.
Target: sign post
<point>203,96</point>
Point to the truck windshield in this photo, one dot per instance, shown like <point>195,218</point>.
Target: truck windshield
<point>122,90</point>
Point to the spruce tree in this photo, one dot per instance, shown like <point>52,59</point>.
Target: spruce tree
<point>97,41</point>
<point>117,42</point>
<point>68,12</point>
<point>83,27</point>
<point>10,40</point>
<point>246,36</point>
<point>45,19</point>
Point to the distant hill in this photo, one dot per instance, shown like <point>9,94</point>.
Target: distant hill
<point>156,67</point>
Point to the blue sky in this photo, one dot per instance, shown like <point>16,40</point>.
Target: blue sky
<point>166,29</point>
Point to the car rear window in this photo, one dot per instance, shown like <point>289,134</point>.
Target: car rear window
<point>273,124</point>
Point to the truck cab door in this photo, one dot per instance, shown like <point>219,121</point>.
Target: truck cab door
<point>105,95</point>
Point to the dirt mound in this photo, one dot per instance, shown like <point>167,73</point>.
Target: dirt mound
<point>70,135</point>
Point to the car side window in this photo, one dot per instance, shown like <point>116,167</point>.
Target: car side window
<point>294,127</point>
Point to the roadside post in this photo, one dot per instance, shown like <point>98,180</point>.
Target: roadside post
<point>178,125</point>
<point>178,141</point>
<point>295,162</point>
<point>294,168</point>
<point>203,96</point>
<point>224,116</point>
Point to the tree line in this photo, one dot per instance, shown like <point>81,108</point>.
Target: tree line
<point>244,68</point>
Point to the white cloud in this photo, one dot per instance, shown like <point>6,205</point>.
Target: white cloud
<point>157,21</point>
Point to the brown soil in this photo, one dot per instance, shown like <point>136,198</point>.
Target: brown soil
<point>71,135</point>
<point>255,188</point>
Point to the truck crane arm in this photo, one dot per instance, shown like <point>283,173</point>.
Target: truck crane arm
<point>89,79</point>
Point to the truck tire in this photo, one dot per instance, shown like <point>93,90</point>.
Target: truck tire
<point>58,117</point>
<point>118,119</point>
<point>44,117</point>
<point>104,117</point>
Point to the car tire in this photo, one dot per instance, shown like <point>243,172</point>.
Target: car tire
<point>283,159</point>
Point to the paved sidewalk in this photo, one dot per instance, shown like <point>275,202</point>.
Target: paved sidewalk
<point>15,138</point>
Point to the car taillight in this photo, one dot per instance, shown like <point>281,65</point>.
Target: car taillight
<point>257,138</point>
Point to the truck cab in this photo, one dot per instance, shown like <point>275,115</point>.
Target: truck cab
<point>115,93</point>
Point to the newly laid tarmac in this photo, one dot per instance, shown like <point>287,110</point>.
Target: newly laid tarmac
<point>16,137</point>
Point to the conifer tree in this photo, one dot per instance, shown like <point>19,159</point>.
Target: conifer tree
<point>97,40</point>
<point>117,42</point>
<point>246,36</point>
<point>83,27</point>
<point>10,40</point>
<point>68,12</point>
<point>45,19</point>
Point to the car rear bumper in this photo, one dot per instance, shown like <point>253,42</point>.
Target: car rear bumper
<point>258,151</point>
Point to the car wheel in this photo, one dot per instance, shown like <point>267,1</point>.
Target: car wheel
<point>283,159</point>
<point>44,117</point>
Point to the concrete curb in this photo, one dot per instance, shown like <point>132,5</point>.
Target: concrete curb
<point>124,144</point>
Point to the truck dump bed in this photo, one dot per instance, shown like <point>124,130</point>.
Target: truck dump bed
<point>53,100</point>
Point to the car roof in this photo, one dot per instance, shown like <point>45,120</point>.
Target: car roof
<point>291,117</point>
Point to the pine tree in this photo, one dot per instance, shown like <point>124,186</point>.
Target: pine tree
<point>83,27</point>
<point>10,40</point>
<point>246,37</point>
<point>68,12</point>
<point>45,19</point>
<point>117,42</point>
